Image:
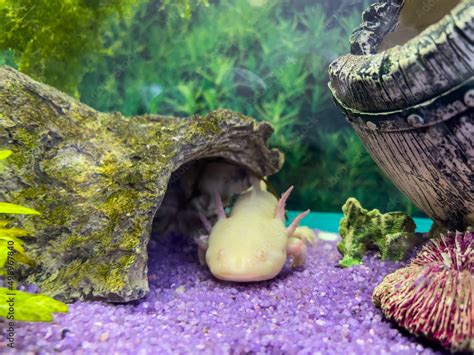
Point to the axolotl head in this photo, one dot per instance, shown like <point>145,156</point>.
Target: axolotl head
<point>247,248</point>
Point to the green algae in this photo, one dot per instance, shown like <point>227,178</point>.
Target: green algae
<point>392,234</point>
<point>81,278</point>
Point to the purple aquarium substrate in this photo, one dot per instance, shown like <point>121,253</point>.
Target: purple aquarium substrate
<point>316,309</point>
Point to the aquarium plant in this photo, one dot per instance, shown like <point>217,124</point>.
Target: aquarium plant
<point>392,234</point>
<point>59,50</point>
<point>15,304</point>
<point>266,59</point>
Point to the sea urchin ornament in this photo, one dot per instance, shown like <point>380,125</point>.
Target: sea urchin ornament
<point>434,295</point>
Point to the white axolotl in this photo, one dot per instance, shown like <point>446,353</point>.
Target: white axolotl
<point>252,244</point>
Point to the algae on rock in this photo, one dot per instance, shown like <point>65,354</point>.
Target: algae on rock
<point>98,180</point>
<point>393,234</point>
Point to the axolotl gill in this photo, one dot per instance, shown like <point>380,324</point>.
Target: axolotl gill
<point>252,243</point>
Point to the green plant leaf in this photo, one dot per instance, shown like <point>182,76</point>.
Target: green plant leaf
<point>3,257</point>
<point>21,258</point>
<point>17,243</point>
<point>30,307</point>
<point>5,154</point>
<point>13,232</point>
<point>6,207</point>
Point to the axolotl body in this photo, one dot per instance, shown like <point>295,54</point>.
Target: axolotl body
<point>252,243</point>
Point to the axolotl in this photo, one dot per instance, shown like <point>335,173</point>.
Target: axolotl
<point>252,243</point>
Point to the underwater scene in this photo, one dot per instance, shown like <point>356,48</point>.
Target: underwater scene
<point>237,177</point>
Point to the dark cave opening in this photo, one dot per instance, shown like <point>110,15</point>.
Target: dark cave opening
<point>191,190</point>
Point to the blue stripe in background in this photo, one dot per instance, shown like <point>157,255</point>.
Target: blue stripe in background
<point>329,222</point>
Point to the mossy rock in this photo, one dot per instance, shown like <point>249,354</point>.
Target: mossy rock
<point>392,234</point>
<point>98,180</point>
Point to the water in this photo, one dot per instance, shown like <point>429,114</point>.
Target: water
<point>329,222</point>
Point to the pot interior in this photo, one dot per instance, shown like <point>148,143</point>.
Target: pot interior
<point>416,16</point>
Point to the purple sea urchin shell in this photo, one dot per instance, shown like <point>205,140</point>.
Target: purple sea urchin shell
<point>434,295</point>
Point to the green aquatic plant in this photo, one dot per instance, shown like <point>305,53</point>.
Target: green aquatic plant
<point>334,165</point>
<point>29,307</point>
<point>14,304</point>
<point>184,7</point>
<point>268,62</point>
<point>58,41</point>
<point>11,245</point>
<point>393,234</point>
<point>52,40</point>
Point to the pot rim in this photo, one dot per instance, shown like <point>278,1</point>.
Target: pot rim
<point>440,58</point>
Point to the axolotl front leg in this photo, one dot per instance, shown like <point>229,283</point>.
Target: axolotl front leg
<point>202,241</point>
<point>298,237</point>
<point>202,244</point>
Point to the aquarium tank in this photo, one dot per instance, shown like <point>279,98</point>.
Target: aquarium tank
<point>236,177</point>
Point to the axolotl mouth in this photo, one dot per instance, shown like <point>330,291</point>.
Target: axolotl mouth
<point>245,270</point>
<point>244,277</point>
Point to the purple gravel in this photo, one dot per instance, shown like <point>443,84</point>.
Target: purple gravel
<point>316,309</point>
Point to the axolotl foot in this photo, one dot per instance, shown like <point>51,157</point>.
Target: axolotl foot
<point>296,248</point>
<point>202,244</point>
<point>306,234</point>
<point>297,244</point>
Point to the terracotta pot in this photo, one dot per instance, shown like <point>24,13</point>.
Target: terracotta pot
<point>407,88</point>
